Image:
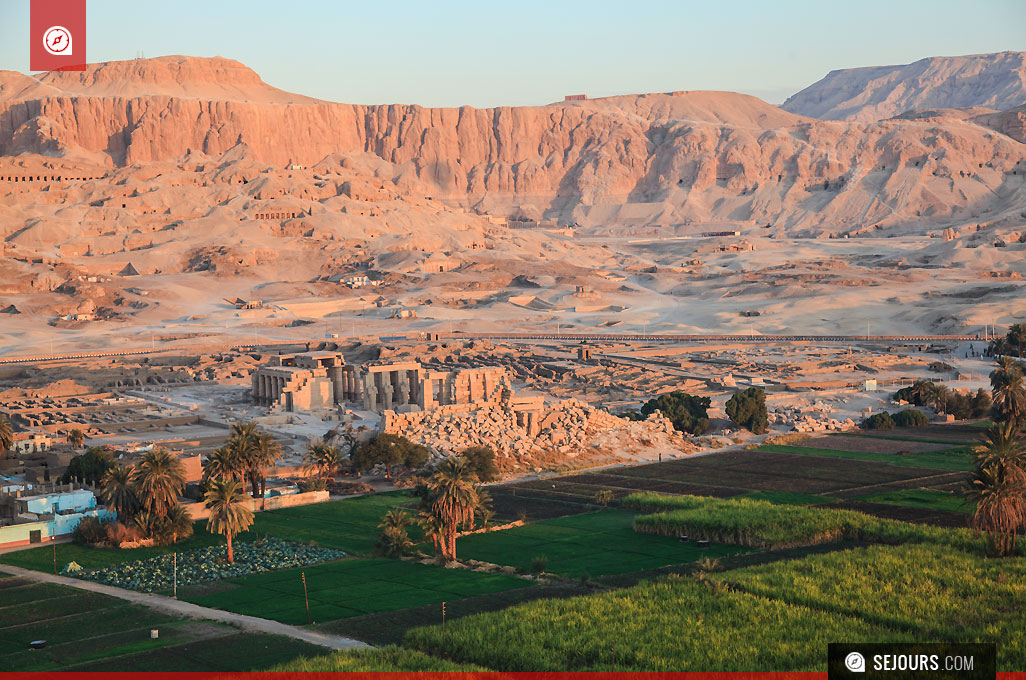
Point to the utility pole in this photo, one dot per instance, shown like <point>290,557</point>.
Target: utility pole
<point>176,577</point>
<point>443,624</point>
<point>307,597</point>
<point>54,543</point>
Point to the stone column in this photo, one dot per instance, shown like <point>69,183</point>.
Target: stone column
<point>403,396</point>
<point>386,390</point>
<point>370,392</point>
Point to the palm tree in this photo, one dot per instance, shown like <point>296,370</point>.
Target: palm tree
<point>484,506</point>
<point>1009,391</point>
<point>222,463</point>
<point>1000,508</point>
<point>159,479</point>
<point>266,453</point>
<point>76,438</point>
<point>432,527</point>
<point>1004,449</point>
<point>324,458</point>
<point>998,486</point>
<point>117,492</point>
<point>454,500</point>
<point>230,514</point>
<point>6,434</point>
<point>394,540</point>
<point>939,398</point>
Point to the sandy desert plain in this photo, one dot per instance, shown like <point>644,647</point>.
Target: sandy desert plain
<point>170,225</point>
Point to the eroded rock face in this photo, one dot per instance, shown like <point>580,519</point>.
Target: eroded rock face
<point>996,81</point>
<point>659,158</point>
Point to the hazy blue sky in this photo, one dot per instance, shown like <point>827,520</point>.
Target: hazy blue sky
<point>486,53</point>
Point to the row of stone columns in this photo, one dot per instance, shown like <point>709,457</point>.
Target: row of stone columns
<point>267,387</point>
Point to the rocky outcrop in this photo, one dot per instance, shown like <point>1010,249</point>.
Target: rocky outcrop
<point>995,81</point>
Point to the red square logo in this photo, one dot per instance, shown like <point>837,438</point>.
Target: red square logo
<point>58,35</point>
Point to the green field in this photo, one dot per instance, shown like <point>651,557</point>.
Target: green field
<point>787,498</point>
<point>596,544</point>
<point>778,616</point>
<point>759,524</point>
<point>348,588</point>
<point>349,525</point>
<point>91,632</point>
<point>930,499</point>
<point>956,458</point>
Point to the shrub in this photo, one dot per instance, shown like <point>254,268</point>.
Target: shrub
<point>688,413</point>
<point>747,409</point>
<point>312,484</point>
<point>90,531</point>
<point>382,659</point>
<point>911,418</point>
<point>392,451</point>
<point>878,421</point>
<point>539,563</point>
<point>118,533</point>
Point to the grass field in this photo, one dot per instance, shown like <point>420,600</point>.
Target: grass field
<point>743,521</point>
<point>596,544</point>
<point>931,499</point>
<point>778,616</point>
<point>349,525</point>
<point>785,498</point>
<point>91,632</point>
<point>346,589</point>
<point>956,458</point>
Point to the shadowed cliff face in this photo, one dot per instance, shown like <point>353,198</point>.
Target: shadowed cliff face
<point>661,158</point>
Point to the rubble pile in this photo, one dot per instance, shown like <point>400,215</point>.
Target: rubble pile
<point>812,418</point>
<point>569,427</point>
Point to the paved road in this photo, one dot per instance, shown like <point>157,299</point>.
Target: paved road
<point>193,611</point>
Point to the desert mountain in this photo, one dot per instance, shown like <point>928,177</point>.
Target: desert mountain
<point>994,81</point>
<point>661,159</point>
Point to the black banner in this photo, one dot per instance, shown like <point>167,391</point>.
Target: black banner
<point>899,660</point>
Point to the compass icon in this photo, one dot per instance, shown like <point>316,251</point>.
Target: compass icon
<point>57,41</point>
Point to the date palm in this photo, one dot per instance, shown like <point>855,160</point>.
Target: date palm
<point>266,454</point>
<point>159,479</point>
<point>394,540</point>
<point>222,463</point>
<point>454,500</point>
<point>1009,391</point>
<point>117,492</point>
<point>230,513</point>
<point>6,434</point>
<point>1000,508</point>
<point>1004,449</point>
<point>324,458</point>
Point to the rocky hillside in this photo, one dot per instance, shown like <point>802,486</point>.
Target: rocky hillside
<point>660,159</point>
<point>995,81</point>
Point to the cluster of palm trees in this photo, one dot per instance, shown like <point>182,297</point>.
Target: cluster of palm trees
<point>324,459</point>
<point>998,482</point>
<point>451,501</point>
<point>146,496</point>
<point>247,454</point>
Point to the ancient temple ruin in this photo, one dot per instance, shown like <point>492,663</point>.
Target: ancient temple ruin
<point>320,380</point>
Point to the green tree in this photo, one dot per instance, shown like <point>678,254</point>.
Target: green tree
<point>604,497</point>
<point>90,466</point>
<point>392,451</point>
<point>981,403</point>
<point>747,409</point>
<point>910,417</point>
<point>223,463</point>
<point>159,480</point>
<point>230,514</point>
<point>482,461</point>
<point>117,492</point>
<point>76,438</point>
<point>323,458</point>
<point>394,540</point>
<point>878,421</point>
<point>6,434</point>
<point>688,413</point>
